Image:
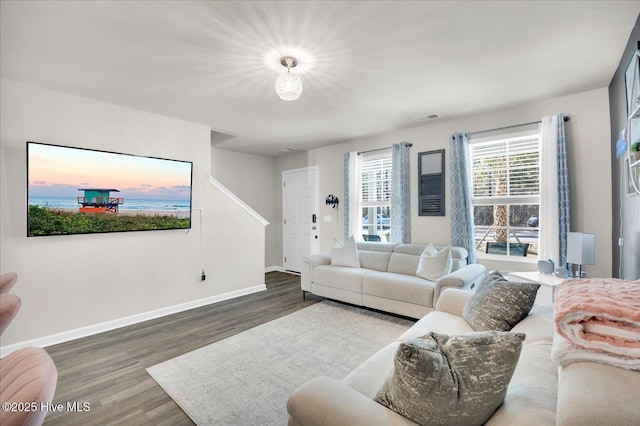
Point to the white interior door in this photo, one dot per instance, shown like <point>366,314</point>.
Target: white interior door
<point>300,203</point>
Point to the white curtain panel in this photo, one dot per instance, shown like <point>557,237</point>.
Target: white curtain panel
<point>549,247</point>
<point>345,201</point>
<point>352,189</point>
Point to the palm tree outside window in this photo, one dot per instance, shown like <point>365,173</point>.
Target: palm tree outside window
<point>505,174</point>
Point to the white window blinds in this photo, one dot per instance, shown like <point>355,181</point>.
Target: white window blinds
<point>506,170</point>
<point>376,181</point>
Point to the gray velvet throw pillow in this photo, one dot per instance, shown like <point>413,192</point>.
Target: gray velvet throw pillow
<point>457,380</point>
<point>499,304</point>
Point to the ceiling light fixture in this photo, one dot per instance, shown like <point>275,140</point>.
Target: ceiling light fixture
<point>288,85</point>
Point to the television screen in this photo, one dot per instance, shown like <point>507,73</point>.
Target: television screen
<point>83,191</point>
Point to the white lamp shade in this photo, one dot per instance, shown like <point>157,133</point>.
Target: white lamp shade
<point>581,248</point>
<point>288,86</point>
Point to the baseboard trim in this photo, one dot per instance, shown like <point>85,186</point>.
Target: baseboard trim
<point>90,330</point>
<point>274,268</point>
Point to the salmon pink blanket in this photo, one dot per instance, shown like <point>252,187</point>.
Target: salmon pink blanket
<point>600,315</point>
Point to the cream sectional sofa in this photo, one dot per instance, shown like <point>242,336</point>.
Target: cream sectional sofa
<point>387,278</point>
<point>539,393</point>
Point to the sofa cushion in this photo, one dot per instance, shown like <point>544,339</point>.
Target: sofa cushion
<point>459,255</point>
<point>594,394</point>
<point>349,279</point>
<point>499,304</point>
<point>375,246</point>
<point>457,264</point>
<point>452,380</point>
<point>345,254</point>
<point>401,263</point>
<point>369,376</point>
<point>532,393</point>
<point>400,287</point>
<point>440,322</point>
<point>434,264</point>
<point>413,249</point>
<point>538,325</point>
<point>377,260</point>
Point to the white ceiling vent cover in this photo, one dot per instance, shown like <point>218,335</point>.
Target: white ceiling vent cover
<point>427,117</point>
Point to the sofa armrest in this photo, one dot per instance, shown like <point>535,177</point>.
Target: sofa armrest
<point>310,262</point>
<point>452,301</point>
<point>466,277</point>
<point>317,259</point>
<point>325,401</point>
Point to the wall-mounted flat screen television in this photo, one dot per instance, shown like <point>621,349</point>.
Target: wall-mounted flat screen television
<point>83,191</point>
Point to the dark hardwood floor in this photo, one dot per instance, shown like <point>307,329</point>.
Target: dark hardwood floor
<point>107,370</point>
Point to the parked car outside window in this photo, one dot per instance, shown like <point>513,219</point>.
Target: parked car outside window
<point>385,221</point>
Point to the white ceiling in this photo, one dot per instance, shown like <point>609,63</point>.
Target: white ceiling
<point>367,67</point>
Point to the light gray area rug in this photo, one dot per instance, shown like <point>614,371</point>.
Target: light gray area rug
<point>246,379</point>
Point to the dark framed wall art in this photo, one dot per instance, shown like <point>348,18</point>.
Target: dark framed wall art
<point>431,183</point>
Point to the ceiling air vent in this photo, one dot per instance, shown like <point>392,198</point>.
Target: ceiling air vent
<point>426,117</point>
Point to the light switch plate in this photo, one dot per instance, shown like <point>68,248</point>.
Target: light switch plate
<point>327,218</point>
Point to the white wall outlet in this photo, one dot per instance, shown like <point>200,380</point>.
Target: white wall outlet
<point>327,218</point>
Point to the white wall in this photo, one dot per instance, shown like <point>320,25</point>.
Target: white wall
<point>588,152</point>
<point>249,177</point>
<point>146,271</point>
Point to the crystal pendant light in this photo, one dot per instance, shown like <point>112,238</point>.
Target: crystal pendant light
<point>288,85</point>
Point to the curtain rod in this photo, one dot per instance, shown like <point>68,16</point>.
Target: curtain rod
<point>380,149</point>
<point>566,118</point>
<point>373,150</point>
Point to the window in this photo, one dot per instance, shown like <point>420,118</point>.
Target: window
<point>505,173</point>
<point>375,197</point>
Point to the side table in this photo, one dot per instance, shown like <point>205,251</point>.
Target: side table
<point>547,280</point>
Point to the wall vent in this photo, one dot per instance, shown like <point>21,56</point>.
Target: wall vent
<point>426,117</point>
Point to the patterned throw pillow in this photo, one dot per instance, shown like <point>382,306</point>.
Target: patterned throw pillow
<point>434,264</point>
<point>451,380</point>
<point>499,304</point>
<point>345,254</point>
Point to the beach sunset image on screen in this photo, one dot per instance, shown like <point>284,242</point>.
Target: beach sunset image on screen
<point>79,191</point>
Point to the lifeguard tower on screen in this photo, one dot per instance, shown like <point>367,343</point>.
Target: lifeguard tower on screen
<point>99,200</point>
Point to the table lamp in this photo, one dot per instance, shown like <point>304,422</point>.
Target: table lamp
<point>581,250</point>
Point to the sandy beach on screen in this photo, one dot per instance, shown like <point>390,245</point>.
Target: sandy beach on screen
<point>174,213</point>
<point>123,212</point>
